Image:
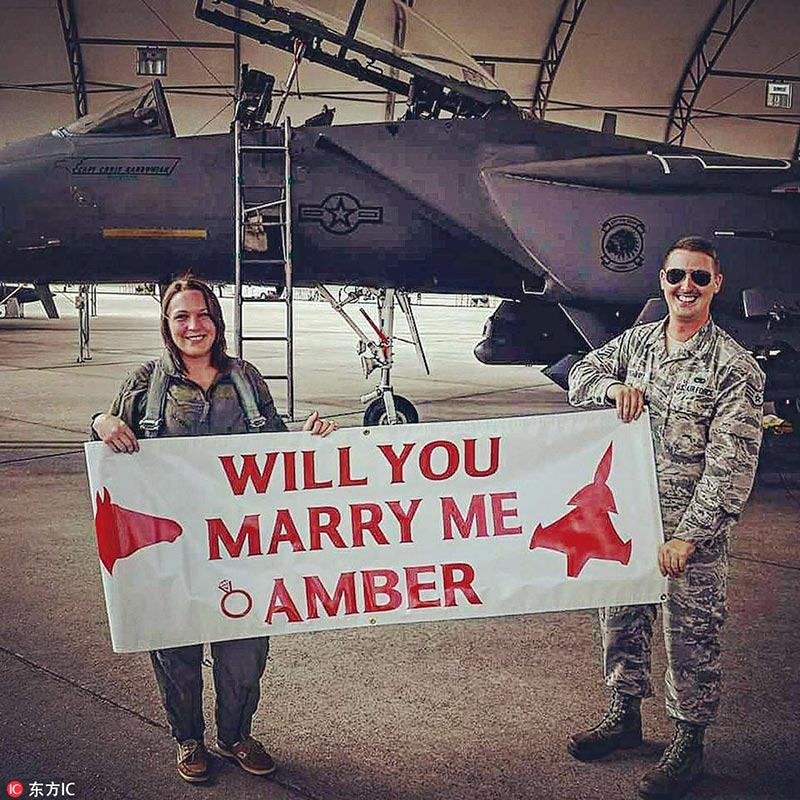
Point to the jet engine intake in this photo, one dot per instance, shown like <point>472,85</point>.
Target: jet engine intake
<point>528,332</point>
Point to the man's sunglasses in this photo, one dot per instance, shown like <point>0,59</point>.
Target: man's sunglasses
<point>699,276</point>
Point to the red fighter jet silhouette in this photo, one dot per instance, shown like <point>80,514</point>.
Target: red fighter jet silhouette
<point>121,532</point>
<point>587,531</point>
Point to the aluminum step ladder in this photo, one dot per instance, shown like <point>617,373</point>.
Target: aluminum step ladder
<point>251,216</point>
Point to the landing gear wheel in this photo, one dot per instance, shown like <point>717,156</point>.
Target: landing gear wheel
<point>375,413</point>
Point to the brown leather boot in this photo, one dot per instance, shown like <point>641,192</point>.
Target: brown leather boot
<point>192,761</point>
<point>680,767</point>
<point>620,728</point>
<point>249,754</point>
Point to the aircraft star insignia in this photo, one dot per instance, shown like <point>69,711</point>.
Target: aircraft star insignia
<point>341,213</point>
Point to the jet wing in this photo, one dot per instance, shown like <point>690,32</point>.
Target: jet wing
<point>656,172</point>
<point>600,225</point>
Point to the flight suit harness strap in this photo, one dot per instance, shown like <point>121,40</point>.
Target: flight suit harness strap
<point>156,401</point>
<point>157,397</point>
<point>248,398</point>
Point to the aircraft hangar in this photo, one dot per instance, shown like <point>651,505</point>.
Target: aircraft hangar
<point>702,92</point>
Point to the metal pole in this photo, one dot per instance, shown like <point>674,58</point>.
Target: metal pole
<point>287,133</point>
<point>237,280</point>
<point>237,56</point>
<point>82,306</point>
<point>298,57</point>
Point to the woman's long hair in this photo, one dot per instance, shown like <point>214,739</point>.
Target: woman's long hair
<point>219,355</point>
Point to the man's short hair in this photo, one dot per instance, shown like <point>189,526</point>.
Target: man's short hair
<point>695,244</point>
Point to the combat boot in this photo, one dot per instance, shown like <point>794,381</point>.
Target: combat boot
<point>680,767</point>
<point>620,728</point>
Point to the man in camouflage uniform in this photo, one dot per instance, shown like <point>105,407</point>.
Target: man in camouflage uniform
<point>704,393</point>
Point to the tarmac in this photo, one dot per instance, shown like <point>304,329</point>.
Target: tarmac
<point>472,710</point>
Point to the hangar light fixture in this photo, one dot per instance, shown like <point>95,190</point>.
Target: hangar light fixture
<point>151,61</point>
<point>779,95</point>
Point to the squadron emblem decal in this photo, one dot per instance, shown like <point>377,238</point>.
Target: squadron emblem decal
<point>622,244</point>
<point>341,214</point>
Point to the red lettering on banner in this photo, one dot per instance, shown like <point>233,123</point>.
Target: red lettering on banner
<point>372,589</point>
<point>250,473</point>
<point>462,584</point>
<point>470,466</point>
<point>321,521</point>
<point>310,472</point>
<point>259,477</point>
<point>415,586</point>
<point>372,524</point>
<point>404,517</point>
<point>438,461</point>
<point>381,590</point>
<point>432,452</point>
<point>281,603</point>
<point>330,527</point>
<point>425,457</point>
<point>499,514</point>
<point>345,590</point>
<point>396,462</point>
<point>476,516</point>
<point>249,531</point>
<point>290,471</point>
<point>284,531</point>
<point>345,475</point>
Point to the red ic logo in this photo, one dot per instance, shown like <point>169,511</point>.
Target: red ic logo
<point>15,789</point>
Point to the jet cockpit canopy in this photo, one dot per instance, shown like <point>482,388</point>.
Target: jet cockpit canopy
<point>417,60</point>
<point>141,112</point>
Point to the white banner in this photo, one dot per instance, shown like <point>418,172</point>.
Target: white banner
<point>225,537</point>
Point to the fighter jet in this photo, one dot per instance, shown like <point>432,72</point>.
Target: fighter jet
<point>465,194</point>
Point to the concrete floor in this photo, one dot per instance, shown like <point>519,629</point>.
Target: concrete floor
<point>472,710</point>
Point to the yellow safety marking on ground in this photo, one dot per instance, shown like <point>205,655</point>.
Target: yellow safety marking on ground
<point>155,233</point>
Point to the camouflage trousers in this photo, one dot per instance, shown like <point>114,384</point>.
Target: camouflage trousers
<point>692,615</point>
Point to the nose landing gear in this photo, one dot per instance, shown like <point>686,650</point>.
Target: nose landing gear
<point>384,406</point>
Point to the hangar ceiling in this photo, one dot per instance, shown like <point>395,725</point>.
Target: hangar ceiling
<point>629,57</point>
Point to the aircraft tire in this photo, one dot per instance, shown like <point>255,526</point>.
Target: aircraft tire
<point>789,409</point>
<point>375,413</point>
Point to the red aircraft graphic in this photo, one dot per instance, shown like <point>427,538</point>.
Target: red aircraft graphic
<point>121,532</point>
<point>587,531</point>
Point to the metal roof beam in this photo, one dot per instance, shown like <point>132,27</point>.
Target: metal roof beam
<point>155,42</point>
<point>352,25</point>
<point>713,41</point>
<point>507,60</point>
<point>69,27</point>
<point>756,76</point>
<point>560,34</point>
<point>398,43</point>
